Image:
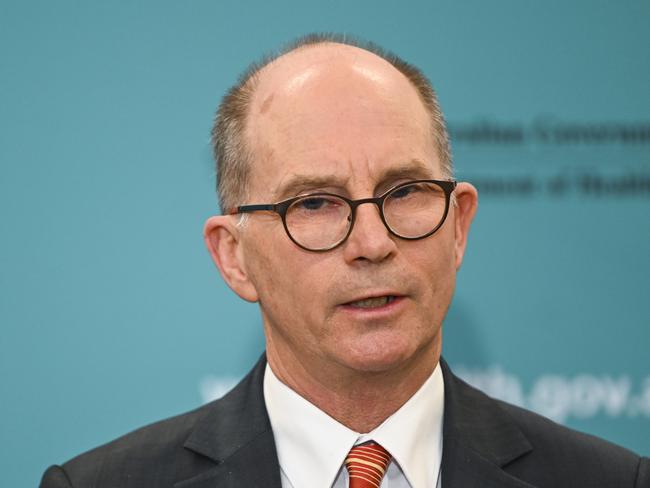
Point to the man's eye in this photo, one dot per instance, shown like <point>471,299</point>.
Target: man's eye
<point>404,191</point>
<point>314,203</point>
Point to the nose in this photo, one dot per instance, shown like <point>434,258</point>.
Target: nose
<point>369,240</point>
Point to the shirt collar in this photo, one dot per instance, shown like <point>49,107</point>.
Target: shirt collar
<point>311,445</point>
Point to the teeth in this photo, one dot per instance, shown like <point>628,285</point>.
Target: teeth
<point>372,302</point>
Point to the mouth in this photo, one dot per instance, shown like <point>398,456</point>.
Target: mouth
<point>372,302</point>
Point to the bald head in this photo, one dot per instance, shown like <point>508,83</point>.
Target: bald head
<point>327,67</point>
<point>317,81</point>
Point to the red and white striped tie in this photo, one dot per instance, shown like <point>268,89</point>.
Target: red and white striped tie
<point>367,465</point>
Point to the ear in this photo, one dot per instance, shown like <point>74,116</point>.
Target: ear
<point>222,238</point>
<point>466,205</point>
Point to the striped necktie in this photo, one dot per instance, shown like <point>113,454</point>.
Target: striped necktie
<point>367,465</point>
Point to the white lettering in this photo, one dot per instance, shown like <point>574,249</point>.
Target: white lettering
<point>587,395</point>
<point>617,394</point>
<point>560,397</point>
<point>555,396</point>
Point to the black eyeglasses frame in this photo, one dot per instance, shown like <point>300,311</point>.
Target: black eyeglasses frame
<point>281,208</point>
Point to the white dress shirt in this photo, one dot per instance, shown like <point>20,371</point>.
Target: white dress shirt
<point>312,446</point>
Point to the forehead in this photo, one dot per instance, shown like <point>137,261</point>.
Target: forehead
<point>336,111</point>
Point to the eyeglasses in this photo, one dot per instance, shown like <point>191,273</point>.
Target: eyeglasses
<point>322,221</point>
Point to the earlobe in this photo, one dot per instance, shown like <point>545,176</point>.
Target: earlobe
<point>466,206</point>
<point>222,238</point>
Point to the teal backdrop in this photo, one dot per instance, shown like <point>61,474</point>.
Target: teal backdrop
<point>111,312</point>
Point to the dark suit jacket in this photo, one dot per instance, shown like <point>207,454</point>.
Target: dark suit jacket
<point>229,443</point>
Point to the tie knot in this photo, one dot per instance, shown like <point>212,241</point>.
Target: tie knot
<point>367,465</point>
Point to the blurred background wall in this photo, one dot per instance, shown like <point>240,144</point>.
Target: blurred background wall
<point>111,312</point>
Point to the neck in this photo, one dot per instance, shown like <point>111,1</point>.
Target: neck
<point>339,390</point>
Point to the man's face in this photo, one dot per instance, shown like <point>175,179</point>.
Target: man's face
<point>353,126</point>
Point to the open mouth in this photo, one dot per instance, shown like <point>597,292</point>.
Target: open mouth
<point>372,302</point>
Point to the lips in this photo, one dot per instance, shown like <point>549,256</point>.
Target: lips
<point>372,302</point>
<point>371,299</point>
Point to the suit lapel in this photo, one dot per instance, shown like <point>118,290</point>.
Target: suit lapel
<point>479,439</point>
<point>464,468</point>
<point>236,434</point>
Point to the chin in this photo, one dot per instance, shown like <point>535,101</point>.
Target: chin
<point>377,358</point>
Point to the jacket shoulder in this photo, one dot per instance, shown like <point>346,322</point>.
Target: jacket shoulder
<point>177,449</point>
<point>531,448</point>
<point>153,453</point>
<point>562,456</point>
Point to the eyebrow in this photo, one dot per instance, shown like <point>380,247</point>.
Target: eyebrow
<point>414,169</point>
<point>297,183</point>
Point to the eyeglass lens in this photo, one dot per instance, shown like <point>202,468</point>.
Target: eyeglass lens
<point>319,222</point>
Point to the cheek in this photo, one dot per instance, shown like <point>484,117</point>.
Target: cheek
<point>434,254</point>
<point>437,270</point>
<point>286,282</point>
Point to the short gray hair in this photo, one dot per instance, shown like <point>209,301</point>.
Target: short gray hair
<point>231,152</point>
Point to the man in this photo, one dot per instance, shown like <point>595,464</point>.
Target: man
<point>341,220</point>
